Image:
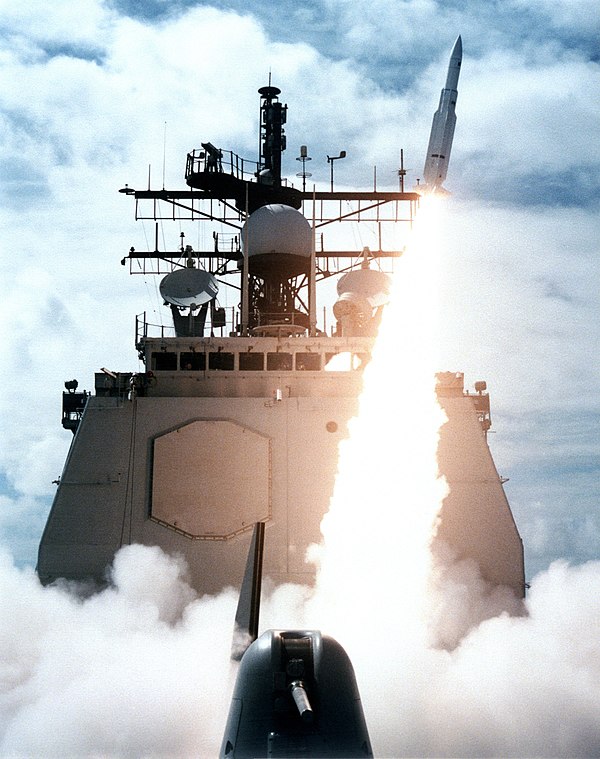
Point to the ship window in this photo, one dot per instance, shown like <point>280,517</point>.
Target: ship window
<point>164,362</point>
<point>221,361</point>
<point>279,362</point>
<point>252,362</point>
<point>308,362</point>
<point>192,362</point>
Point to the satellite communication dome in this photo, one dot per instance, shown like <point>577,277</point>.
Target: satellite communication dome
<point>277,228</point>
<point>189,288</point>
<point>360,292</point>
<point>370,284</point>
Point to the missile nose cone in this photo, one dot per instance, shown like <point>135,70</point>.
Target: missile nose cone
<point>457,49</point>
<point>454,65</point>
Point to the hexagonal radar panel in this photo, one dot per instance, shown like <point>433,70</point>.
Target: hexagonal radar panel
<point>211,479</point>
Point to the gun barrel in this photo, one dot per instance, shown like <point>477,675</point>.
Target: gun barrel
<point>300,697</point>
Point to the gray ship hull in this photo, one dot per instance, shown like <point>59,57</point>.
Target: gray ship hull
<point>192,474</point>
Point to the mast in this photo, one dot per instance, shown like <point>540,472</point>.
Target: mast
<point>272,141</point>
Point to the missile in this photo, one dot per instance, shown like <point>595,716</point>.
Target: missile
<point>442,129</point>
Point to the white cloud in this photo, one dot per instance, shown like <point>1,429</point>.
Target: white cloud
<point>515,121</point>
<point>75,21</point>
<point>518,296</point>
<point>568,15</point>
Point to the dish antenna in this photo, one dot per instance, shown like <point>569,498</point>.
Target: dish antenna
<point>189,288</point>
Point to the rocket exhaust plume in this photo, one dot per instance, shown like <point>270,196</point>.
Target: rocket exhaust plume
<point>387,493</point>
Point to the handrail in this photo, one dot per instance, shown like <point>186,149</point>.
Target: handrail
<point>227,162</point>
<point>146,329</point>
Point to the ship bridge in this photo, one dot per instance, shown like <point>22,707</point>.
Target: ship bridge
<point>266,367</point>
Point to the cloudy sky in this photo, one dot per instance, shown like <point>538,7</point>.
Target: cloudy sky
<point>94,92</point>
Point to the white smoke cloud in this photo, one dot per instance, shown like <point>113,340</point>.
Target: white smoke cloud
<point>142,669</point>
<point>459,599</point>
<point>514,686</point>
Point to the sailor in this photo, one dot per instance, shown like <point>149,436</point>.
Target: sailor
<point>213,157</point>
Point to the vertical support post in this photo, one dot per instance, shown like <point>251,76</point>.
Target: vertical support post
<point>312,276</point>
<point>245,277</point>
<point>402,170</point>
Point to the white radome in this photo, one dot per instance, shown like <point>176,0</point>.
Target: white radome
<point>277,228</point>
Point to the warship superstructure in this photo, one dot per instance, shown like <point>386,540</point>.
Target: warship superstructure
<point>237,414</point>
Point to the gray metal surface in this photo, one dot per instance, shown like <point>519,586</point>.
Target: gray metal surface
<point>296,696</point>
<point>105,497</point>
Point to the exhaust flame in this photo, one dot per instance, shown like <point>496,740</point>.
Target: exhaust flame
<point>388,492</point>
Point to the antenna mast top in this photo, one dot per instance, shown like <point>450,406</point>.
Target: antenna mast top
<point>272,139</point>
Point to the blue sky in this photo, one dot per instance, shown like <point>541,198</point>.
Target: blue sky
<point>87,105</point>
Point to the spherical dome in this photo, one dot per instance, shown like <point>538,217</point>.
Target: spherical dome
<point>277,228</point>
<point>369,284</point>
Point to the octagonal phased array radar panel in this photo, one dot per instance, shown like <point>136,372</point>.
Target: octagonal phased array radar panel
<point>189,288</point>
<point>195,493</point>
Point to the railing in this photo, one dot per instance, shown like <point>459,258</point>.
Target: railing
<point>145,328</point>
<point>226,162</point>
<point>218,161</point>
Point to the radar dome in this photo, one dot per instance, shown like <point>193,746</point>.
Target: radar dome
<point>370,284</point>
<point>277,229</point>
<point>361,292</point>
